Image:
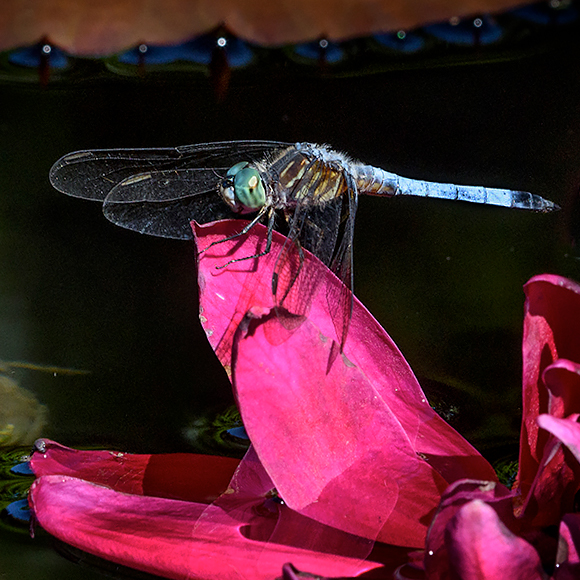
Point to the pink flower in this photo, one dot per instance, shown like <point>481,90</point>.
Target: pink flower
<point>482,530</point>
<point>346,455</point>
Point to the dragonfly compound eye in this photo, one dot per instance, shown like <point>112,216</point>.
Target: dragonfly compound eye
<point>248,189</point>
<point>234,169</point>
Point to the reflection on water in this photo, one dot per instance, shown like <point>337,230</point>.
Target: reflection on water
<point>222,433</point>
<point>22,416</point>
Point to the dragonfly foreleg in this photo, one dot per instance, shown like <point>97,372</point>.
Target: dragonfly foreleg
<point>247,228</point>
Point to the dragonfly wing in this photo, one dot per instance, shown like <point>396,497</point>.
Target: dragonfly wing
<point>315,228</point>
<point>163,203</point>
<point>340,300</point>
<point>92,174</point>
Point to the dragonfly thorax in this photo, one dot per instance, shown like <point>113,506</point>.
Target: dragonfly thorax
<point>243,188</point>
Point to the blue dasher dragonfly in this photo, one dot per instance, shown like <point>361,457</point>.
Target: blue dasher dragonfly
<point>308,191</point>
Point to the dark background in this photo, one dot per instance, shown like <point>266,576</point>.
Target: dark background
<point>444,278</point>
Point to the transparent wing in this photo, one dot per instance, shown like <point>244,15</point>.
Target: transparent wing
<point>163,203</point>
<point>340,300</point>
<point>156,191</point>
<point>314,227</point>
<point>93,174</point>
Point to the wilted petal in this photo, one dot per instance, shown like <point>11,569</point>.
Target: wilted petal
<point>185,476</point>
<point>170,538</point>
<point>481,547</point>
<point>551,331</point>
<point>348,439</point>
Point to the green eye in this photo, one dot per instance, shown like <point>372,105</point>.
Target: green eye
<point>248,187</point>
<point>234,169</point>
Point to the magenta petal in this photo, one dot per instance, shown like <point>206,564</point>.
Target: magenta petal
<point>352,443</point>
<point>553,302</point>
<point>437,559</point>
<point>553,490</point>
<point>335,451</point>
<point>480,547</point>
<point>551,331</point>
<point>121,471</point>
<point>252,486</point>
<point>566,430</point>
<point>227,294</point>
<point>168,537</point>
<point>187,476</point>
<point>568,557</point>
<point>562,381</point>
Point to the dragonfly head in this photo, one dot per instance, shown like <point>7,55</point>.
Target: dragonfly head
<point>243,189</point>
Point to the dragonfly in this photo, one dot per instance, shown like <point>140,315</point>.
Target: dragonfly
<point>308,191</point>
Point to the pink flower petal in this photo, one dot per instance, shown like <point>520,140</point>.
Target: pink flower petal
<point>562,381</point>
<point>568,557</point>
<point>333,448</point>
<point>173,539</point>
<point>227,294</point>
<point>461,493</point>
<point>565,430</point>
<point>551,330</point>
<point>552,493</point>
<point>349,441</point>
<point>174,475</point>
<point>481,547</point>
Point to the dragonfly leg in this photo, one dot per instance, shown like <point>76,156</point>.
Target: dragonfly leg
<point>243,232</point>
<point>271,217</point>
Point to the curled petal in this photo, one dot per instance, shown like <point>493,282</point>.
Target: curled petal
<point>568,556</point>
<point>461,493</point>
<point>565,430</point>
<point>481,547</point>
<point>562,381</point>
<point>553,490</point>
<point>551,323</point>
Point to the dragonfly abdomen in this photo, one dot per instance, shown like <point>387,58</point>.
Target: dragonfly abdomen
<point>374,181</point>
